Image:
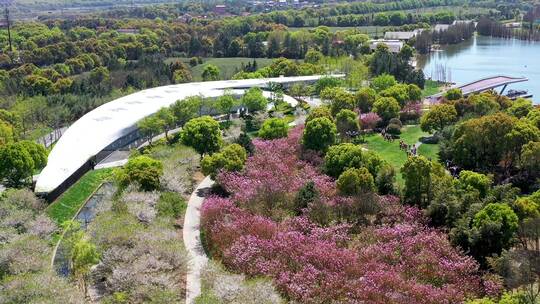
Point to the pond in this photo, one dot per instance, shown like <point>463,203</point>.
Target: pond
<point>483,57</point>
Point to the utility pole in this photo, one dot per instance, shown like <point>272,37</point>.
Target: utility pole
<point>8,28</point>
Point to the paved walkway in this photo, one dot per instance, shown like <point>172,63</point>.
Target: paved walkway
<point>192,240</point>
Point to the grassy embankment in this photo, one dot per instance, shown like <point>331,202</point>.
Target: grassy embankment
<point>390,151</point>
<point>66,206</point>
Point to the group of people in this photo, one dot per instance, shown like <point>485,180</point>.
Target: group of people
<point>411,150</point>
<point>386,136</point>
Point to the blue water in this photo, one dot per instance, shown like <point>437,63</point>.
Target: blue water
<point>486,56</point>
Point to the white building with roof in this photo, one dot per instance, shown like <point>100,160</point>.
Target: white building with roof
<point>100,128</point>
<point>394,46</point>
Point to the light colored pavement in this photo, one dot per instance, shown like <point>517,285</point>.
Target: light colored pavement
<point>192,240</point>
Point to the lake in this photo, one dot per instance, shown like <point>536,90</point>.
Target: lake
<point>483,57</point>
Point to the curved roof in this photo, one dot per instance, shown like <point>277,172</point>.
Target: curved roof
<point>102,126</point>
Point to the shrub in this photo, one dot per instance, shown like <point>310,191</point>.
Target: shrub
<point>355,181</point>
<point>142,170</point>
<point>171,204</point>
<point>319,134</point>
<point>273,128</point>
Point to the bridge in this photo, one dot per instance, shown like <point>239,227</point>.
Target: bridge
<point>482,85</point>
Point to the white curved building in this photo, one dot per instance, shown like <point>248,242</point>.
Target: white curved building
<point>104,125</point>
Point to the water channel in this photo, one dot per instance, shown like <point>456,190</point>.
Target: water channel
<point>483,57</point>
<point>85,216</point>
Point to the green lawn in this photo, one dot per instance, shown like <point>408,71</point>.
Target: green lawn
<point>430,88</point>
<point>390,151</point>
<point>66,206</point>
<point>227,66</point>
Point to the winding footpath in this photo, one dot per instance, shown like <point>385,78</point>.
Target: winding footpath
<point>192,240</point>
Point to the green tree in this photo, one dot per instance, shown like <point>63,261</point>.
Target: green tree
<point>83,256</point>
<point>319,134</point>
<point>142,170</point>
<point>417,175</point>
<point>313,56</point>
<point>453,94</point>
<point>202,134</point>
<point>365,98</point>
<point>37,152</point>
<point>150,126</point>
<point>355,181</point>
<point>386,107</point>
<point>520,108</point>
<point>210,73</point>
<point>37,85</point>
<point>383,82</point>
<point>326,82</point>
<point>530,157</point>
<point>6,133</point>
<point>497,225</point>
<point>438,117</point>
<point>254,100</point>
<point>273,128</point>
<point>347,155</point>
<point>400,92</point>
<point>231,158</point>
<point>318,112</point>
<point>16,164</point>
<point>167,120</point>
<point>347,122</point>
<point>186,109</point>
<point>478,181</point>
<point>225,103</point>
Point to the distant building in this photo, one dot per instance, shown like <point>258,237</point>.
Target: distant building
<point>128,31</point>
<point>394,46</point>
<point>220,9</point>
<point>441,27</point>
<point>403,36</point>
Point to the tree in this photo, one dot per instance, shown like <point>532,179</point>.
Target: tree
<point>355,181</point>
<point>142,170</point>
<point>150,126</point>
<point>210,73</point>
<point>167,120</point>
<point>225,103</point>
<point>6,133</point>
<point>365,98</point>
<point>320,111</point>
<point>273,128</point>
<point>383,82</point>
<point>100,80</point>
<point>319,134</point>
<point>339,99</point>
<point>347,123</point>
<point>254,100</point>
<point>37,85</point>
<point>313,56</point>
<point>16,164</point>
<point>347,155</point>
<point>83,256</point>
<point>37,152</point>
<point>417,175</point>
<point>520,108</point>
<point>530,157</point>
<point>202,134</point>
<point>438,117</point>
<point>478,181</point>
<point>231,158</point>
<point>387,108</point>
<point>186,109</point>
<point>245,141</point>
<point>400,92</point>
<point>453,94</point>
<point>496,224</point>
<point>326,82</point>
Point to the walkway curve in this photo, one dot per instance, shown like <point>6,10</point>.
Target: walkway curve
<point>192,240</point>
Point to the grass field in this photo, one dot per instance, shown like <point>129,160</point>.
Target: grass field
<point>430,88</point>
<point>227,66</point>
<point>390,151</point>
<point>66,206</point>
